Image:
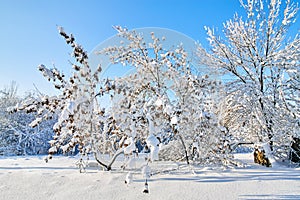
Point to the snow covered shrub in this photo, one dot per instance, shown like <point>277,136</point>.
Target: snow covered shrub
<point>172,151</point>
<point>260,157</point>
<point>213,142</point>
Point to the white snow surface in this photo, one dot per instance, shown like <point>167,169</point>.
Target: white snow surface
<point>31,178</point>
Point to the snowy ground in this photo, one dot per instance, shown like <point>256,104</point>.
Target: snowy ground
<point>32,178</point>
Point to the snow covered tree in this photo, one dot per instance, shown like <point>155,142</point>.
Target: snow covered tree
<point>82,125</point>
<point>17,137</point>
<point>8,140</point>
<point>260,64</point>
<point>141,95</point>
<point>75,106</point>
<point>162,97</point>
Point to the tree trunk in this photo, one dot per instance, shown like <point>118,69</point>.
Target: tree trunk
<point>185,151</point>
<point>268,124</point>
<point>101,163</point>
<point>119,152</point>
<point>108,166</point>
<point>183,144</point>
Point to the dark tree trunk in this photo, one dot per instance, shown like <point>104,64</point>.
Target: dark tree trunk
<point>183,144</point>
<point>185,151</point>
<point>268,124</point>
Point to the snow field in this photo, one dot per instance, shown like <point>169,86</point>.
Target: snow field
<point>32,178</point>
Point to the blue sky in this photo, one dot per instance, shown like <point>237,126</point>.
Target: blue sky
<point>29,37</point>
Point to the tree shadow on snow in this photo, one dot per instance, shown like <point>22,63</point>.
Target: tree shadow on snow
<point>38,168</point>
<point>253,176</point>
<point>233,176</point>
<point>271,196</point>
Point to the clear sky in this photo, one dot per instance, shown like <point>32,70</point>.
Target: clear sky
<point>29,36</point>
